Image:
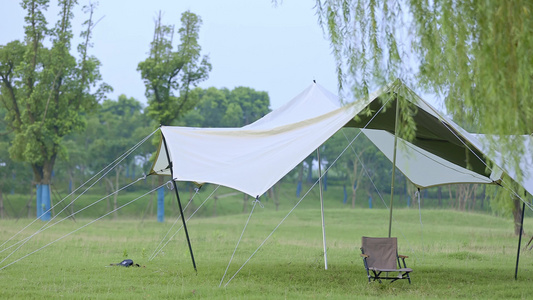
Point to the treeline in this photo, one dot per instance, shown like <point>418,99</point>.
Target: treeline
<point>58,129</point>
<point>362,172</point>
<point>118,125</point>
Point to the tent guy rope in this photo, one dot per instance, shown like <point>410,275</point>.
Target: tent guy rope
<point>78,229</point>
<point>197,209</point>
<point>48,225</point>
<point>239,241</point>
<point>303,197</point>
<point>113,164</point>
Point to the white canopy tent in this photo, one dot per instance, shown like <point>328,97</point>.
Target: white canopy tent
<point>253,158</point>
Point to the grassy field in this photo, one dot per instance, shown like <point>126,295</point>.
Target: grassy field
<point>453,254</point>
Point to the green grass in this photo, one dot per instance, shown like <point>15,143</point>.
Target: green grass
<point>453,254</point>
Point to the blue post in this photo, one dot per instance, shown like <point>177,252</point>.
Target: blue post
<point>408,201</point>
<point>298,189</point>
<point>38,205</point>
<point>345,195</point>
<point>161,204</point>
<point>45,202</point>
<point>369,201</point>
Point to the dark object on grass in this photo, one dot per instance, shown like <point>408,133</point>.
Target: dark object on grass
<point>126,263</point>
<point>380,255</point>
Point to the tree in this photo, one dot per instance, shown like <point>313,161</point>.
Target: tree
<point>475,55</point>
<point>169,75</point>
<point>212,105</point>
<point>253,104</point>
<point>120,125</point>
<point>45,90</point>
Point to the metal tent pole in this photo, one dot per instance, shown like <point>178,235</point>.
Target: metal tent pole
<point>394,162</point>
<point>179,204</point>
<point>322,210</point>
<point>520,240</point>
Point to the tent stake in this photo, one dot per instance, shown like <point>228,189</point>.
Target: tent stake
<point>394,162</point>
<point>520,240</point>
<point>179,204</point>
<point>322,210</point>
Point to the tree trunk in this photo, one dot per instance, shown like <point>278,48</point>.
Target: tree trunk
<point>450,192</point>
<point>300,178</point>
<point>473,203</point>
<point>355,182</point>
<point>310,169</point>
<point>439,195</point>
<point>115,197</point>
<point>483,195</point>
<point>274,196</point>
<point>109,189</point>
<point>412,193</point>
<point>43,178</point>
<point>461,199</point>
<point>457,201</point>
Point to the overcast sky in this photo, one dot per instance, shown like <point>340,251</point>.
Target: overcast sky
<point>253,43</point>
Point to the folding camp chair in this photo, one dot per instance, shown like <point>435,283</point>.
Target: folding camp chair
<point>380,256</point>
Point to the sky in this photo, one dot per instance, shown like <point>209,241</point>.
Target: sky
<point>279,49</point>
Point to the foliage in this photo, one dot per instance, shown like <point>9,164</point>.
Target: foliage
<point>224,108</point>
<point>45,90</point>
<point>169,75</point>
<point>116,127</point>
<point>476,55</point>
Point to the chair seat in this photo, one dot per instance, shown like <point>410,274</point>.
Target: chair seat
<point>391,270</point>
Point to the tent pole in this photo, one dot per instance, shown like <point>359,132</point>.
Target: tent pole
<point>394,162</point>
<point>520,240</point>
<point>322,210</point>
<point>179,204</point>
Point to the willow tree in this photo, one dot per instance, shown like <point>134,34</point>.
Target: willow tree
<point>46,91</point>
<point>476,55</point>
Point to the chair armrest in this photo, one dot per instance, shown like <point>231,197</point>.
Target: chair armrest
<point>403,256</point>
<point>364,255</point>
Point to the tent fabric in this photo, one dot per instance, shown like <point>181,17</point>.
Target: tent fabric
<point>423,168</point>
<point>434,132</point>
<point>253,158</point>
